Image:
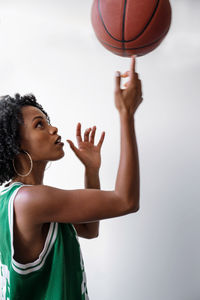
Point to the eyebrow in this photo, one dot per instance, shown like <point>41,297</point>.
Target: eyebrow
<point>37,117</point>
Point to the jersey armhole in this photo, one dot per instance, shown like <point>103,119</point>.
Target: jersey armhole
<point>36,265</point>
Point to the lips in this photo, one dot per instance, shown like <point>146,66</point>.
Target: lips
<point>59,144</point>
<point>58,140</point>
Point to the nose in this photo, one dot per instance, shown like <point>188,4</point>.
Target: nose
<point>53,129</point>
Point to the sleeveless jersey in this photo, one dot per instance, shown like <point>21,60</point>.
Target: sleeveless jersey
<point>57,274</point>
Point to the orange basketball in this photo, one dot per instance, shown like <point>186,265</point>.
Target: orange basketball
<point>127,27</point>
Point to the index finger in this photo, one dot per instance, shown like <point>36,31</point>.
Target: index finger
<point>132,67</point>
<point>78,133</point>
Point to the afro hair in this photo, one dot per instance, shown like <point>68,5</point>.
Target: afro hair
<point>10,120</point>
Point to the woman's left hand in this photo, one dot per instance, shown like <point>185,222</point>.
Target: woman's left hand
<point>87,152</point>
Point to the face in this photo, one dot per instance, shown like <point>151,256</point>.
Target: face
<point>38,136</point>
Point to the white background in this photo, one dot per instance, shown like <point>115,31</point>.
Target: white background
<point>49,48</point>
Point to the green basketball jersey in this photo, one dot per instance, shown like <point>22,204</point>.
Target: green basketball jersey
<point>57,274</point>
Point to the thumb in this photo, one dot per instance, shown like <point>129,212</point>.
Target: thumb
<point>117,81</point>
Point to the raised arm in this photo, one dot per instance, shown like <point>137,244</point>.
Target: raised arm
<point>127,101</point>
<point>43,203</point>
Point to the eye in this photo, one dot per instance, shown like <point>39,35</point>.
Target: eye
<point>40,122</point>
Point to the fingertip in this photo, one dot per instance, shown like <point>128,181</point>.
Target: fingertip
<point>117,74</point>
<point>132,67</point>
<point>132,58</point>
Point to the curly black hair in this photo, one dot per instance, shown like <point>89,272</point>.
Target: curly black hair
<point>10,120</point>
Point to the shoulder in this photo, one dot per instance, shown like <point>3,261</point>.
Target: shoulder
<point>32,198</point>
<point>29,193</point>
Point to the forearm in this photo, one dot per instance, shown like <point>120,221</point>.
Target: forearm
<point>92,182</point>
<point>128,179</point>
<point>92,179</point>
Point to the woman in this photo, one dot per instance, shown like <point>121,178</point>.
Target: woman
<point>40,256</point>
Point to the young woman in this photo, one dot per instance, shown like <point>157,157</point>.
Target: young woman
<point>40,256</point>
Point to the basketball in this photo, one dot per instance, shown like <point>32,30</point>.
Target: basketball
<point>127,27</point>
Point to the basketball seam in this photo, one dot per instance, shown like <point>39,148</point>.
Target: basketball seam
<point>135,48</point>
<point>124,41</point>
<point>123,23</point>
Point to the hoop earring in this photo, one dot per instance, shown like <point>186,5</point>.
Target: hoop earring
<point>48,166</point>
<point>30,168</point>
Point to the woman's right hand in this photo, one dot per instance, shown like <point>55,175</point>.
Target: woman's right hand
<point>128,99</point>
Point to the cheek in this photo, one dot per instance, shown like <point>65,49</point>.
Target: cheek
<point>40,149</point>
<point>40,144</point>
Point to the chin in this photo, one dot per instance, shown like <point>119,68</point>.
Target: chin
<point>61,155</point>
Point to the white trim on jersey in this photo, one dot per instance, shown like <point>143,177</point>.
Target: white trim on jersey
<point>49,242</point>
<point>5,189</point>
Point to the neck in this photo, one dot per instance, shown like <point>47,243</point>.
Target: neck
<point>28,180</point>
<point>35,177</point>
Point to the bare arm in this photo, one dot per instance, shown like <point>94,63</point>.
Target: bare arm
<point>89,230</point>
<point>42,203</point>
<point>128,180</point>
<point>129,162</point>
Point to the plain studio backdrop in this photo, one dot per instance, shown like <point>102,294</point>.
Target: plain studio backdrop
<point>48,48</point>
